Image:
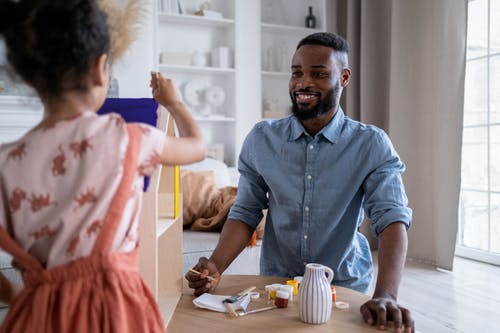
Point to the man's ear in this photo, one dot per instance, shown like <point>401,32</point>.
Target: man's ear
<point>100,70</point>
<point>345,76</point>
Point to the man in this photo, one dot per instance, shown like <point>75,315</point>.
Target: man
<point>315,172</point>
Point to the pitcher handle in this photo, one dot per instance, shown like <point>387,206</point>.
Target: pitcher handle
<point>329,273</point>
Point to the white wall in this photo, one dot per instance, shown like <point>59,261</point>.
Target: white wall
<point>133,69</point>
<point>248,66</point>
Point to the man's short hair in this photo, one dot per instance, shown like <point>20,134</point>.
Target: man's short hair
<point>328,39</point>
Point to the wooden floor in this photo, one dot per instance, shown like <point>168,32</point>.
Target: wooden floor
<point>466,300</point>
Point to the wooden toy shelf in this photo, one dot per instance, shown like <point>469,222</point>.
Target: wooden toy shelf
<point>161,231</point>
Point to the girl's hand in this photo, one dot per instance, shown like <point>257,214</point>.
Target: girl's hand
<point>165,91</point>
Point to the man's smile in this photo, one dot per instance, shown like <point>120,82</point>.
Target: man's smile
<point>306,97</point>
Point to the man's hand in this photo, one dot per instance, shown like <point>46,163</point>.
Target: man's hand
<point>233,239</point>
<point>383,307</point>
<point>199,282</point>
<point>378,311</point>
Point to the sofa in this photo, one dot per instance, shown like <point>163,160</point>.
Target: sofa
<point>212,177</point>
<point>198,244</point>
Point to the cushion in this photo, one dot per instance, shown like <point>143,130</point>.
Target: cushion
<point>220,170</point>
<point>198,192</point>
<point>205,203</point>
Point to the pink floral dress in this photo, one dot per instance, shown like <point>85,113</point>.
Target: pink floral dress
<point>70,199</point>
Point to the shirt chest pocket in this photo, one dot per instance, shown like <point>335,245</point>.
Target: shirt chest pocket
<point>285,181</point>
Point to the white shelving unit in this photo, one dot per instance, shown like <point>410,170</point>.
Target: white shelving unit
<point>180,38</point>
<point>287,29</point>
<point>194,20</point>
<point>282,27</point>
<point>196,70</point>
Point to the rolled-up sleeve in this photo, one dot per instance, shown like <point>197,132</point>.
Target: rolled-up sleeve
<point>385,198</point>
<point>252,190</point>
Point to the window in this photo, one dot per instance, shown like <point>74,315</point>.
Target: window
<point>479,227</point>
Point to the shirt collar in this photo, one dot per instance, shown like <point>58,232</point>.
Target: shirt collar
<point>331,131</point>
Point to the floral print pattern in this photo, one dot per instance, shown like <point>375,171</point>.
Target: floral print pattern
<point>56,184</point>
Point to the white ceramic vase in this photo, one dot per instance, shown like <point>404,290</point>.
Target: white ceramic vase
<point>315,294</point>
<point>199,59</point>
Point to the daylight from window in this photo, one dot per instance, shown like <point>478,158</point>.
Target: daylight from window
<point>479,227</point>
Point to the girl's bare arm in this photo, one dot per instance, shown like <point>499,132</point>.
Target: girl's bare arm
<point>190,146</point>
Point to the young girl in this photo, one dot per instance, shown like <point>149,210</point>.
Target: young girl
<point>71,188</point>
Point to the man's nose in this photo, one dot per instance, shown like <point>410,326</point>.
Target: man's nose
<point>304,82</point>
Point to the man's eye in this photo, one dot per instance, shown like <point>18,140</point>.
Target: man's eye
<point>296,74</point>
<point>319,75</point>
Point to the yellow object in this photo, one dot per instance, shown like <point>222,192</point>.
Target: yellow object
<point>334,294</point>
<point>176,191</point>
<point>295,285</point>
<point>272,289</point>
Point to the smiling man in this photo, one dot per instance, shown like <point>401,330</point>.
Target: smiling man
<point>318,172</point>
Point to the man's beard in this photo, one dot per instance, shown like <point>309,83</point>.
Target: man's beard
<point>324,105</point>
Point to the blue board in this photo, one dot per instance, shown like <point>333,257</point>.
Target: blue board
<point>133,110</point>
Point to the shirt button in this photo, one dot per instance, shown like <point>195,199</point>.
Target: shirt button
<point>305,236</point>
<point>307,208</point>
<point>309,176</point>
<point>311,147</point>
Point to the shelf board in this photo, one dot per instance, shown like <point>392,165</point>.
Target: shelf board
<point>167,304</point>
<point>163,225</point>
<point>215,118</point>
<point>280,28</point>
<point>16,100</point>
<point>195,20</point>
<point>196,69</point>
<point>276,75</point>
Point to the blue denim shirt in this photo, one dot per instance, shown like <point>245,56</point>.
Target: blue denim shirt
<point>315,189</point>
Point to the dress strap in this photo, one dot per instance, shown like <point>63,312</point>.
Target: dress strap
<point>21,257</point>
<point>117,206</point>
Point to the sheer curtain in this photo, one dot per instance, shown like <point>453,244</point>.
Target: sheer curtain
<point>408,62</point>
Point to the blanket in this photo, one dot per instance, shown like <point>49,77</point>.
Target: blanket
<point>205,207</point>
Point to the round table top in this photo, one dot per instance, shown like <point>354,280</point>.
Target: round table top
<point>187,318</point>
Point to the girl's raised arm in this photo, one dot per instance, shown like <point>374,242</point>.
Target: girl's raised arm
<point>190,146</point>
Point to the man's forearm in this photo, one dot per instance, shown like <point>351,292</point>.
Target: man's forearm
<point>392,246</point>
<point>233,239</point>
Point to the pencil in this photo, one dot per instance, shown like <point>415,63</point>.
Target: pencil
<point>232,312</point>
<point>210,278</point>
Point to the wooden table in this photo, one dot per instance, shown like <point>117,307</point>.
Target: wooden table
<point>188,319</point>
